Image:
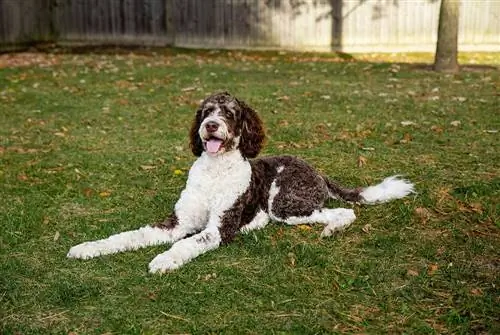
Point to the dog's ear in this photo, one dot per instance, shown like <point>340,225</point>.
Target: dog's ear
<point>195,142</point>
<point>252,132</point>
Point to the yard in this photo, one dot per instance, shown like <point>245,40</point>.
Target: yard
<point>96,143</point>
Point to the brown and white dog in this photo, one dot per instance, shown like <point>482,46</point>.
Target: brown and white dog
<point>227,192</point>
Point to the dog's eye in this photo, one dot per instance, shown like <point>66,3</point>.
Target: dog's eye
<point>228,114</point>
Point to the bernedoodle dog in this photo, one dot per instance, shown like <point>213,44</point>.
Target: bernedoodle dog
<point>227,192</point>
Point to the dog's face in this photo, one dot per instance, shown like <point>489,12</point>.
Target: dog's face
<point>222,124</point>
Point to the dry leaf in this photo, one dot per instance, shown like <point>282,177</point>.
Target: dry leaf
<point>147,167</point>
<point>104,194</point>
<point>366,228</point>
<point>412,273</point>
<point>476,207</point>
<point>455,123</point>
<point>476,292</point>
<point>291,258</point>
<point>88,192</point>
<point>60,134</point>
<point>304,227</point>
<point>406,138</point>
<point>437,129</point>
<point>362,161</point>
<point>56,236</point>
<point>45,220</point>
<point>22,177</point>
<point>407,123</point>
<point>423,213</point>
<point>432,268</point>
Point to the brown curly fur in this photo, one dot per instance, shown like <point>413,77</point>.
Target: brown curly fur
<point>249,126</point>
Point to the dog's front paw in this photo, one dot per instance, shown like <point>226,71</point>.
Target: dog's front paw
<point>163,263</point>
<point>84,251</point>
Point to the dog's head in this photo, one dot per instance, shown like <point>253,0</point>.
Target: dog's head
<point>224,123</point>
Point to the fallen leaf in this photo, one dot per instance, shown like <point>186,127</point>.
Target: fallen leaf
<point>187,89</point>
<point>88,192</point>
<point>291,258</point>
<point>60,134</point>
<point>459,99</point>
<point>437,129</point>
<point>407,123</point>
<point>366,228</point>
<point>476,207</point>
<point>104,194</point>
<point>423,213</point>
<point>406,138</point>
<point>56,236</point>
<point>432,268</point>
<point>412,273</point>
<point>362,161</point>
<point>178,172</point>
<point>304,227</point>
<point>22,177</point>
<point>455,123</point>
<point>476,292</point>
<point>148,167</point>
<point>325,97</point>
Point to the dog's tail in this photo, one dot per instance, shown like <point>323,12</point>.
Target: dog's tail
<point>389,189</point>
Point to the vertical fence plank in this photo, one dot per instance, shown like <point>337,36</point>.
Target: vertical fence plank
<point>348,25</point>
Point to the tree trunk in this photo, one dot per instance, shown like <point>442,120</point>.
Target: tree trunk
<point>447,43</point>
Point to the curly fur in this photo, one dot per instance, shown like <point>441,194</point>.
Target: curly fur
<point>227,192</point>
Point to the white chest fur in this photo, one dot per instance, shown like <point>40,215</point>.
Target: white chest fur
<point>219,181</point>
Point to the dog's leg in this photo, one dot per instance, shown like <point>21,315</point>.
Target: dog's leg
<point>260,220</point>
<point>185,250</point>
<point>335,220</point>
<point>168,231</point>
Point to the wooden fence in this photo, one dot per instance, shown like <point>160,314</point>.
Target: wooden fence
<point>347,25</point>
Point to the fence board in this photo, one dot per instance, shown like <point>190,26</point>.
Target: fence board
<point>347,25</point>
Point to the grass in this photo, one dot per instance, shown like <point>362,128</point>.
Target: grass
<point>93,144</point>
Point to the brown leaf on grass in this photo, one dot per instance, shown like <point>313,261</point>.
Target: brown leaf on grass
<point>362,161</point>
<point>56,236</point>
<point>45,220</point>
<point>148,167</point>
<point>22,177</point>
<point>437,129</point>
<point>423,213</point>
<point>406,138</point>
<point>104,194</point>
<point>432,268</point>
<point>476,207</point>
<point>366,228</point>
<point>283,98</point>
<point>412,273</point>
<point>291,259</point>
<point>476,292</point>
<point>88,192</point>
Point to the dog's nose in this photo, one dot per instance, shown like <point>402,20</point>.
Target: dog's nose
<point>211,126</point>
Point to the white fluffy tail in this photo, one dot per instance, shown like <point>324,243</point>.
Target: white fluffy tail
<point>389,189</point>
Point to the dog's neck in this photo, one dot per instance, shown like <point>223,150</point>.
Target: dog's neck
<point>226,159</point>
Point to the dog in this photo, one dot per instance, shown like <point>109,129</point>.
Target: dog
<point>229,191</point>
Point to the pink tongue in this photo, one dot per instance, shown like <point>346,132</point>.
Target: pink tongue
<point>213,145</point>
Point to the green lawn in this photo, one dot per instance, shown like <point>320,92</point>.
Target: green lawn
<point>94,144</point>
